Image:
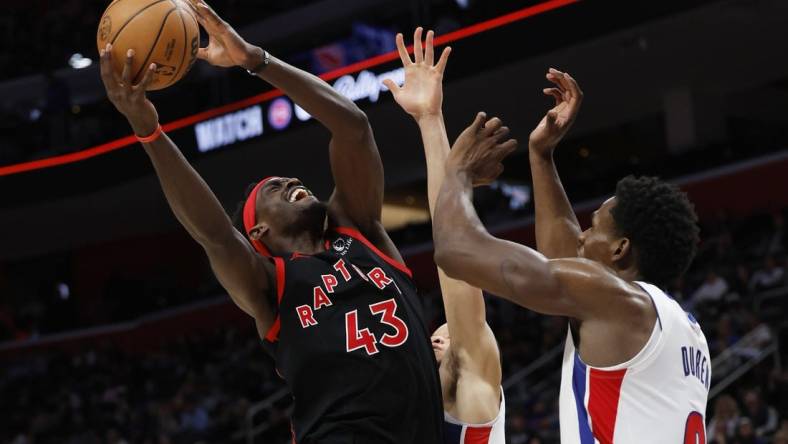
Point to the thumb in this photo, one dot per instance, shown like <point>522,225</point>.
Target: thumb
<point>393,87</point>
<point>551,117</point>
<point>203,54</point>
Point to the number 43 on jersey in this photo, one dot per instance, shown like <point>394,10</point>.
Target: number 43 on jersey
<point>357,339</point>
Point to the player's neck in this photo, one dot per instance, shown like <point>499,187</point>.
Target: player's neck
<point>628,274</point>
<point>307,242</point>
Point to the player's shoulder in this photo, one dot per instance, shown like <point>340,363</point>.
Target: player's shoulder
<point>590,275</point>
<point>595,282</point>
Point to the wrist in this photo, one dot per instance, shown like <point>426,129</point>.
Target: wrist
<point>429,118</point>
<point>255,58</point>
<point>454,172</point>
<point>540,154</point>
<point>144,127</point>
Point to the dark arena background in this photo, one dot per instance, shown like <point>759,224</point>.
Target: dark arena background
<point>114,330</point>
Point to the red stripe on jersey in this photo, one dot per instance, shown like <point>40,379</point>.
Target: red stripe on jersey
<point>477,435</point>
<point>605,392</point>
<point>352,232</point>
<point>280,279</point>
<point>273,333</point>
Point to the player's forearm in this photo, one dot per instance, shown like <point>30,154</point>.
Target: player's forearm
<point>455,223</point>
<point>436,150</point>
<point>193,203</point>
<point>338,113</point>
<point>557,228</point>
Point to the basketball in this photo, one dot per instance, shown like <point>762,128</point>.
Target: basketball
<point>164,32</point>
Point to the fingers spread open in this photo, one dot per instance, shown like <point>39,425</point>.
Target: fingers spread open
<point>418,54</point>
<point>107,75</point>
<point>403,51</point>
<point>150,73</point>
<point>429,50</point>
<point>126,76</point>
<point>441,66</point>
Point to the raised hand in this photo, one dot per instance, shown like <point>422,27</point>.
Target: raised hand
<point>556,123</point>
<point>422,93</point>
<point>479,150</point>
<point>225,47</point>
<point>128,98</point>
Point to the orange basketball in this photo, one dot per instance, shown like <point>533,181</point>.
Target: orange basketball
<point>164,32</point>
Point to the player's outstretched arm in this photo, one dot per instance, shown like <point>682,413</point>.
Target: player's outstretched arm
<point>557,228</point>
<point>355,161</point>
<point>243,273</point>
<point>465,250</point>
<point>472,341</point>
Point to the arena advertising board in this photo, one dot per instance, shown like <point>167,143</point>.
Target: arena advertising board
<point>277,114</point>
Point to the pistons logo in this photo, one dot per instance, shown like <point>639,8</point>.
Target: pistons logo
<point>341,245</point>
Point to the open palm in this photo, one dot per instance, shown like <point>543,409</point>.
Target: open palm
<point>422,93</point>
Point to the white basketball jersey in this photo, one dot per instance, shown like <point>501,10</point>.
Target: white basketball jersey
<point>657,397</point>
<point>458,432</point>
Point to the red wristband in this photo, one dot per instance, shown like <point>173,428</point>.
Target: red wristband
<point>148,139</point>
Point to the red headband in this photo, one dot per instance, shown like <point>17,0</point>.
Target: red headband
<point>250,217</point>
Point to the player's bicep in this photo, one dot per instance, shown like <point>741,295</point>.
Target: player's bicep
<point>245,275</point>
<point>508,270</point>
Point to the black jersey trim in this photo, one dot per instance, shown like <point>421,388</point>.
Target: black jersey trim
<point>273,333</point>
<point>352,232</point>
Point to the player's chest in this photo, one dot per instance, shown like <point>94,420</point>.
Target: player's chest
<point>352,300</point>
<point>328,282</point>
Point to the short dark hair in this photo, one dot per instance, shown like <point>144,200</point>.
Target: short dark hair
<point>661,224</point>
<point>238,214</point>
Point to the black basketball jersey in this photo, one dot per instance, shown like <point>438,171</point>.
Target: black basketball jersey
<point>351,344</point>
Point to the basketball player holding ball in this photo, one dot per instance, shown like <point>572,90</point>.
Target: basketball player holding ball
<point>327,288</point>
<point>465,347</point>
<point>636,367</point>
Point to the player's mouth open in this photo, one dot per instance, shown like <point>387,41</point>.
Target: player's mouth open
<point>297,193</point>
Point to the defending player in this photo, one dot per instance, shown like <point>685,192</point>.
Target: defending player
<point>636,367</point>
<point>465,347</point>
<point>336,305</point>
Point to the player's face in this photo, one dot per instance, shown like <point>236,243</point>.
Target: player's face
<point>441,342</point>
<point>599,241</point>
<point>287,206</point>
